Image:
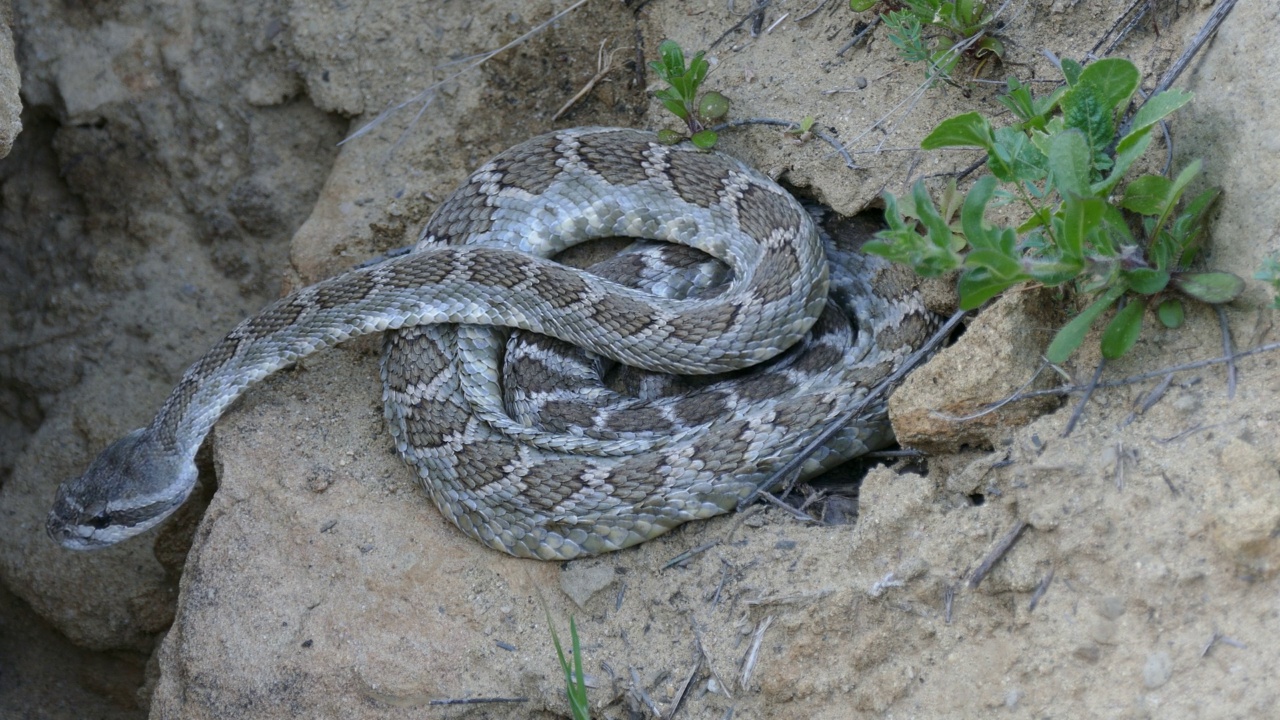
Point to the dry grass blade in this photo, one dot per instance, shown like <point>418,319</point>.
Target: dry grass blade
<point>753,654</point>
<point>604,64</point>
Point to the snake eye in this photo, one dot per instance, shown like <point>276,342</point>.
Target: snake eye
<point>100,521</point>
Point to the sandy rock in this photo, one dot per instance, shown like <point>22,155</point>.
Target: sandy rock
<point>92,684</point>
<point>1244,497</point>
<point>999,352</point>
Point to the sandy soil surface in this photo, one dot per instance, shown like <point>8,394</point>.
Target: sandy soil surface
<point>179,167</point>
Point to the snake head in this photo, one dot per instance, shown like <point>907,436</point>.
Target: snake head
<point>130,487</point>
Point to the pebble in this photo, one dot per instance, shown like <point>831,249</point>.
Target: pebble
<point>1158,670</point>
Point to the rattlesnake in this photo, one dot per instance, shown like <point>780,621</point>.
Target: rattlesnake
<point>557,473</point>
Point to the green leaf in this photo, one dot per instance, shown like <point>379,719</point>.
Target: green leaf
<point>698,68</point>
<point>1171,313</point>
<point>1199,207</point>
<point>1125,155</point>
<point>672,101</point>
<point>892,215</point>
<point>1072,334</point>
<point>714,106</point>
<point>978,286</point>
<point>1052,273</point>
<point>1113,231</point>
<point>1184,178</point>
<point>1039,218</point>
<point>1214,288</point>
<point>578,693</point>
<point>902,243</point>
<point>904,33</point>
<point>1155,109</point>
<point>1071,71</point>
<point>973,211</point>
<point>1002,266</point>
<point>967,130</point>
<point>681,87</point>
<point>1046,104</point>
<point>942,62</point>
<point>1079,217</point>
<point>1147,281</point>
<point>938,231</point>
<point>1069,163</point>
<point>677,108</point>
<point>667,136</point>
<point>1018,100</point>
<point>989,46</point>
<point>1123,330</point>
<point>1190,226</point>
<point>1007,240</point>
<point>1176,189</point>
<point>1084,110</point>
<point>951,201</point>
<point>704,140</point>
<point>861,5</point>
<point>1146,195</point>
<point>1115,79</point>
<point>672,57</point>
<point>1014,159</point>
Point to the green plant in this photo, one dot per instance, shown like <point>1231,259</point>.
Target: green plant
<point>1063,162</point>
<point>803,131</point>
<point>575,685</point>
<point>1270,273</point>
<point>965,26</point>
<point>682,98</point>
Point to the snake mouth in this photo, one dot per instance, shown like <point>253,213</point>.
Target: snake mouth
<point>95,533</point>
<point>69,533</point>
<point>77,524</point>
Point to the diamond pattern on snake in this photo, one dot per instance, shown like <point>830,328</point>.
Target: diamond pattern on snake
<point>536,401</point>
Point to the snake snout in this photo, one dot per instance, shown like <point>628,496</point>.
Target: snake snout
<point>130,487</point>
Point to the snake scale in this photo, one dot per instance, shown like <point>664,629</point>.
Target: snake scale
<point>531,452</point>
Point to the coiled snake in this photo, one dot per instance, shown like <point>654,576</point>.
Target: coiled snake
<point>560,471</point>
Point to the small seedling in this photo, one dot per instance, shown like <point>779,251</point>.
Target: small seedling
<point>804,131</point>
<point>575,684</point>
<point>957,28</point>
<point>1063,162</point>
<point>1270,273</point>
<point>682,98</point>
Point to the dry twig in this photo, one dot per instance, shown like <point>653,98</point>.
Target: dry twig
<point>604,64</point>
<point>997,552</point>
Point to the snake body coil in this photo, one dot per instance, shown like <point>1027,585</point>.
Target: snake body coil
<point>546,472</point>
